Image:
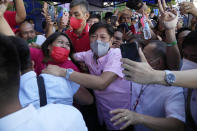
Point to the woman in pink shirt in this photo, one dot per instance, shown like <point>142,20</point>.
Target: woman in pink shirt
<point>106,77</point>
<point>56,50</point>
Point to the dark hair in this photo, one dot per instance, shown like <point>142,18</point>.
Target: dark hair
<point>160,49</point>
<point>51,39</point>
<point>9,65</point>
<point>95,16</point>
<point>82,3</point>
<point>23,51</point>
<point>134,4</point>
<point>181,30</point>
<point>96,26</point>
<point>190,40</point>
<point>139,39</point>
<point>108,15</point>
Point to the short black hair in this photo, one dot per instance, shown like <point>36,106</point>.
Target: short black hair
<point>160,49</point>
<point>134,4</point>
<point>96,26</point>
<point>108,15</point>
<point>23,51</point>
<point>9,65</point>
<point>95,16</point>
<point>51,39</point>
<point>190,39</point>
<point>83,3</point>
<point>181,30</point>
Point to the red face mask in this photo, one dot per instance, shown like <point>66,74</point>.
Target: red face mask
<point>75,23</point>
<point>59,54</point>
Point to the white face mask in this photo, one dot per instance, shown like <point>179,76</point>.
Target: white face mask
<point>99,48</point>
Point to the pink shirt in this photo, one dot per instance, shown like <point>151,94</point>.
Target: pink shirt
<point>117,94</point>
<point>37,56</point>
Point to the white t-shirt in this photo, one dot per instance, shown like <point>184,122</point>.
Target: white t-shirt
<point>58,89</point>
<point>52,117</point>
<point>40,40</point>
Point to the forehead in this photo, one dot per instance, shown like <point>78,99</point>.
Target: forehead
<point>101,31</point>
<point>148,50</point>
<point>61,37</point>
<point>26,27</point>
<point>118,34</point>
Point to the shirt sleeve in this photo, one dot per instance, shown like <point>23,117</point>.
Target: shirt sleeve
<point>175,104</point>
<point>75,87</point>
<point>113,63</point>
<point>80,57</point>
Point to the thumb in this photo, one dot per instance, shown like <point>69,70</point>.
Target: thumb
<point>142,57</point>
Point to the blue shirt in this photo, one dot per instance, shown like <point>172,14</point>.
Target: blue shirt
<point>58,89</point>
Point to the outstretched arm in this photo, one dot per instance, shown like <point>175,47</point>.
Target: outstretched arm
<point>20,11</point>
<point>4,26</point>
<point>141,72</point>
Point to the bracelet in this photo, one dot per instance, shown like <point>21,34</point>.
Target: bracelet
<point>172,43</point>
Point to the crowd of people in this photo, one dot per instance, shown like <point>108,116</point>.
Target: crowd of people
<point>73,75</point>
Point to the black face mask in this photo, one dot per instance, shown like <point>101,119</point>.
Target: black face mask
<point>134,4</point>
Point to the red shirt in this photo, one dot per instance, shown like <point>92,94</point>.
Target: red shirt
<point>10,17</point>
<point>80,43</point>
<point>37,56</point>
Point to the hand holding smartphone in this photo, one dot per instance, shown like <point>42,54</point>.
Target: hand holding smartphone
<point>130,51</point>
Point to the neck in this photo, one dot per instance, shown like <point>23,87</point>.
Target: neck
<point>9,106</point>
<point>26,70</point>
<point>79,31</point>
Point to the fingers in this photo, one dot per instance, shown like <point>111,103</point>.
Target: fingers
<point>128,123</point>
<point>160,7</point>
<point>117,111</point>
<point>142,57</point>
<point>164,4</point>
<point>127,61</point>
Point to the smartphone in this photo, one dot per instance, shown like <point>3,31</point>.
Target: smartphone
<point>51,12</point>
<point>124,27</point>
<point>130,51</point>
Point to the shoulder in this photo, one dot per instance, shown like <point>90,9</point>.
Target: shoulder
<point>114,52</point>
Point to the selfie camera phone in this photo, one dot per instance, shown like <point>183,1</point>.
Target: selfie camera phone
<point>130,51</point>
<point>51,12</point>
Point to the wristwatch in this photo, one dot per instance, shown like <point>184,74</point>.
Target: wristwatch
<point>68,73</point>
<point>169,77</point>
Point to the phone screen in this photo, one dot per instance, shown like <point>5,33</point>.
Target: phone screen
<point>130,51</point>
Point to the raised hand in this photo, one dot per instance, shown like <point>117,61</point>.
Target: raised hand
<point>3,6</point>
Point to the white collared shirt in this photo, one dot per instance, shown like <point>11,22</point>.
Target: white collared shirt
<point>58,89</point>
<point>158,101</point>
<point>52,117</point>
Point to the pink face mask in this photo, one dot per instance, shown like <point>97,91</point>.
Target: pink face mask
<point>75,23</point>
<point>59,54</point>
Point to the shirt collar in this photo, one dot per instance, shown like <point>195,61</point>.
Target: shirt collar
<point>85,31</point>
<point>14,120</point>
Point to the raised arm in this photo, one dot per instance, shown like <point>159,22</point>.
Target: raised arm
<point>4,26</point>
<point>20,11</point>
<point>169,21</point>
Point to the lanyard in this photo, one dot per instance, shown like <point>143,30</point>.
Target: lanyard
<point>143,87</point>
